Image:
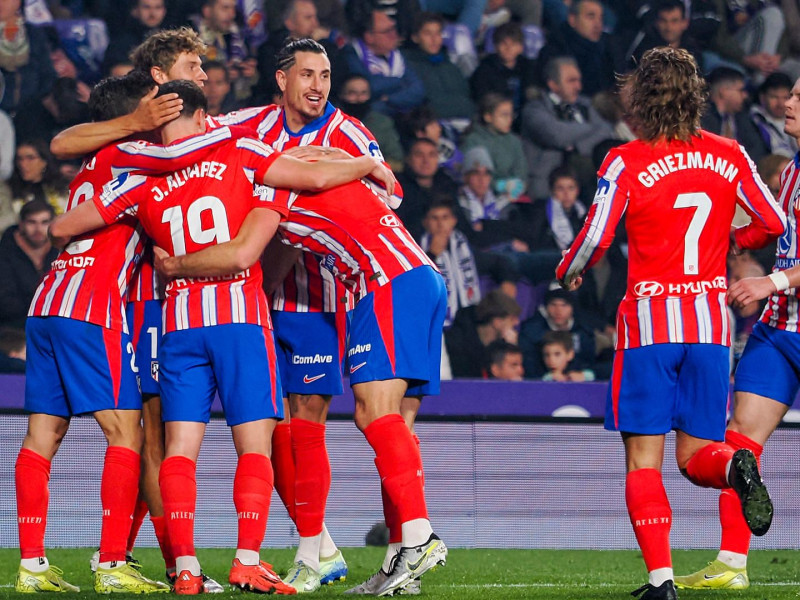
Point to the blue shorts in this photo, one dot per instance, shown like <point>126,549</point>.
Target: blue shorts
<point>75,368</point>
<point>144,322</point>
<point>396,332</point>
<point>237,360</point>
<point>310,351</point>
<point>778,349</point>
<point>670,386</point>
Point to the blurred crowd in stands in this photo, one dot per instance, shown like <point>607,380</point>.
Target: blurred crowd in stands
<point>496,115</point>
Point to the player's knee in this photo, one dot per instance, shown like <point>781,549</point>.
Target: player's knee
<point>123,432</point>
<point>44,443</point>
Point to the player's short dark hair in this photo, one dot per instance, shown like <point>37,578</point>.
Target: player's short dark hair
<point>497,351</point>
<point>286,56</point>
<point>508,31</point>
<point>559,338</point>
<point>669,5</point>
<point>188,91</point>
<point>164,47</point>
<point>665,95</point>
<point>117,96</point>
<point>561,172</point>
<point>776,81</point>
<point>12,340</point>
<point>424,18</point>
<point>496,305</point>
<point>34,207</point>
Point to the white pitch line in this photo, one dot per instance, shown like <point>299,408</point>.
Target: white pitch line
<point>596,585</point>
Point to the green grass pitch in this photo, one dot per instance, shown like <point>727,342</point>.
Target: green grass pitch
<point>478,574</point>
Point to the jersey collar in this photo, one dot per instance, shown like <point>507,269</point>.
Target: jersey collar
<point>315,125</point>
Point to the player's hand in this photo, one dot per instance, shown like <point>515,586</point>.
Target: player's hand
<point>317,153</point>
<point>572,285</point>
<point>153,112</point>
<point>384,175</point>
<point>163,262</point>
<point>750,289</point>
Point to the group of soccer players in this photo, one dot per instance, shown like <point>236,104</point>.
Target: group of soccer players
<point>349,286</point>
<point>211,202</point>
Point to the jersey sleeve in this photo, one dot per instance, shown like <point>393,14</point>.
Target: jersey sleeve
<point>356,139</point>
<point>257,160</point>
<point>768,221</point>
<point>152,158</point>
<point>121,196</point>
<point>610,202</point>
<point>249,118</point>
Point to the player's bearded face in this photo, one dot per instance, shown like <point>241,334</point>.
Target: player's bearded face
<point>307,85</point>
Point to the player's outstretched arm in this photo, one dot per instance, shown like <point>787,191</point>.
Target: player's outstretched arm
<point>234,256</point>
<point>753,289</point>
<point>291,173</point>
<point>151,113</point>
<point>84,217</point>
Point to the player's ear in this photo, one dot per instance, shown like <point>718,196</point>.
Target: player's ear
<point>280,77</point>
<point>199,118</point>
<point>158,75</point>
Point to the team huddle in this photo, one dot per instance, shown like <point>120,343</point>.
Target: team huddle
<point>284,264</point>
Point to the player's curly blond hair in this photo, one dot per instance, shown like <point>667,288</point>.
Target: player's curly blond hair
<point>164,47</point>
<point>665,95</point>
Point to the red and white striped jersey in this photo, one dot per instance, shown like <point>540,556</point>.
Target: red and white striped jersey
<point>679,200</point>
<point>783,308</point>
<point>89,280</point>
<point>360,239</point>
<point>309,287</point>
<point>199,206</point>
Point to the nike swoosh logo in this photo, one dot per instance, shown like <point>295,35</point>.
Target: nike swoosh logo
<point>355,368</point>
<point>307,379</point>
<point>416,565</point>
<point>713,576</point>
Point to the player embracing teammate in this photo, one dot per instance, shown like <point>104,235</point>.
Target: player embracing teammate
<point>678,187</point>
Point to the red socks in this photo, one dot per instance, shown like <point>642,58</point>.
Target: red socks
<point>708,467</point>
<point>313,476</point>
<point>252,491</point>
<point>31,475</point>
<point>283,466</point>
<point>119,488</point>
<point>735,532</point>
<point>651,516</point>
<point>139,513</point>
<point>160,527</point>
<point>399,465</point>
<point>179,494</point>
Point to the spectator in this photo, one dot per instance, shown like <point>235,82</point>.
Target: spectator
<point>36,177</point>
<point>558,351</point>
<point>582,38</point>
<point>25,256</point>
<point>446,89</point>
<point>299,21</point>
<point>770,168</point>
<point>668,29</point>
<point>24,59</point>
<point>12,350</point>
<point>226,43</point>
<point>556,220</point>
<point>467,12</point>
<point>145,17</point>
<point>120,69</point>
<point>402,12</point>
<point>725,114</point>
<point>557,313</point>
<point>769,114</point>
<point>493,132</point>
<point>475,327</point>
<point>422,180</point>
<point>424,124</point>
<point>7,139</point>
<point>373,53</point>
<point>505,361</point>
<point>561,126</point>
<point>217,89</point>
<point>355,100</point>
<point>64,106</point>
<point>744,317</point>
<point>451,252</point>
<point>506,71</point>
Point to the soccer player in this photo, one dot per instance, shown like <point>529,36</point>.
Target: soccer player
<point>760,402</point>
<point>308,308</point>
<point>217,334</point>
<point>77,327</point>
<point>678,186</point>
